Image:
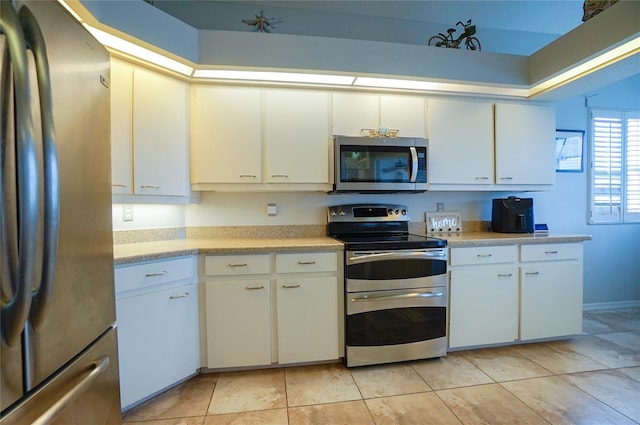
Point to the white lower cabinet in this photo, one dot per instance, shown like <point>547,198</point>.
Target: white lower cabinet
<point>550,291</point>
<point>157,317</point>
<point>307,319</point>
<point>498,297</point>
<point>271,308</point>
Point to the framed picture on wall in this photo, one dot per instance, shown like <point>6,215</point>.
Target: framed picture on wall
<point>569,150</point>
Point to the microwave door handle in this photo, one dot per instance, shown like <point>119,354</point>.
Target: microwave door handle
<point>15,312</point>
<point>35,41</point>
<point>414,164</point>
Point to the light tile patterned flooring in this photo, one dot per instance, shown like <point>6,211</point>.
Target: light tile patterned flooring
<point>591,379</point>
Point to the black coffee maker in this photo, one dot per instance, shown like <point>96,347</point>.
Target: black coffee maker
<point>512,215</point>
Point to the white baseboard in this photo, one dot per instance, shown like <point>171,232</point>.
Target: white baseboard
<point>611,305</point>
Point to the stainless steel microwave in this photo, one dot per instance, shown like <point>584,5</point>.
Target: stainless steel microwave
<point>380,164</point>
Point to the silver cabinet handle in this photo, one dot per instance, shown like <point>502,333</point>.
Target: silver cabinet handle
<point>175,297</point>
<point>284,176</point>
<point>155,274</point>
<point>505,274</point>
<point>253,176</point>
<point>484,255</point>
<point>306,263</point>
<point>118,185</point>
<point>95,369</point>
<point>51,214</point>
<point>482,178</point>
<point>532,273</point>
<point>149,186</point>
<point>253,288</point>
<point>506,178</point>
<point>550,252</point>
<point>237,264</point>
<point>290,286</point>
<point>21,204</point>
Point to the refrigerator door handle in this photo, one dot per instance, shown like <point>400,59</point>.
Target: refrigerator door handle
<point>15,311</point>
<point>35,41</point>
<point>95,369</point>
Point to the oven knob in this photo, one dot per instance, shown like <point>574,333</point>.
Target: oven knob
<point>333,213</point>
<point>404,212</point>
<point>340,212</point>
<point>397,212</point>
<point>389,211</point>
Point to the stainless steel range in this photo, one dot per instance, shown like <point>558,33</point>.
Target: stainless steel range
<point>395,285</point>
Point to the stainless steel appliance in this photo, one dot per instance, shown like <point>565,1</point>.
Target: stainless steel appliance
<point>380,164</point>
<point>58,350</point>
<point>512,215</point>
<point>395,285</point>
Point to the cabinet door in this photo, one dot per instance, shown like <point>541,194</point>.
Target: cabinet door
<point>525,144</point>
<point>238,323</point>
<point>121,127</point>
<point>297,137</point>
<point>157,340</point>
<point>226,137</point>
<point>460,142</point>
<point>484,305</point>
<point>354,112</point>
<point>551,299</point>
<point>307,319</point>
<point>160,132</point>
<point>404,113</point>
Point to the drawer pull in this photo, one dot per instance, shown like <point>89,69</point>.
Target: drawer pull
<point>118,185</point>
<point>252,176</point>
<point>551,252</point>
<point>484,255</point>
<point>505,275</point>
<point>237,264</point>
<point>149,186</point>
<point>174,297</point>
<point>306,263</point>
<point>284,176</point>
<point>162,273</point>
<point>290,286</point>
<point>532,273</point>
<point>253,288</point>
<point>482,178</point>
<point>506,178</point>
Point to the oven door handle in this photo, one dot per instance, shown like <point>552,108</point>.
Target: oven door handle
<point>355,258</point>
<point>384,297</point>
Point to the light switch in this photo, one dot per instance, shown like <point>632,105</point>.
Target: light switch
<point>272,209</point>
<point>127,213</point>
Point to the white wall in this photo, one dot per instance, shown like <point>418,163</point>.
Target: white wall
<point>149,216</point>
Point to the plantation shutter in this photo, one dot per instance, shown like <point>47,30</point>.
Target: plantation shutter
<point>632,210</point>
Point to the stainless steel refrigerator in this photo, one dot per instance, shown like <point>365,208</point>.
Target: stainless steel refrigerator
<point>58,350</point>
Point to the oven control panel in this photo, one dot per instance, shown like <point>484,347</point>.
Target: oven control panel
<point>367,212</point>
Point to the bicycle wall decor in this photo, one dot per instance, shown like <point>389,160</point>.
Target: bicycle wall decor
<point>467,37</point>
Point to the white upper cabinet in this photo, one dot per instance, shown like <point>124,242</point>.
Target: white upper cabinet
<point>297,136</point>
<point>460,142</point>
<point>160,134</point>
<point>355,112</point>
<point>121,127</point>
<point>525,144</point>
<point>149,133</point>
<point>226,136</point>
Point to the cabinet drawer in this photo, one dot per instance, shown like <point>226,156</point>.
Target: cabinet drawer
<point>230,265</point>
<point>547,252</point>
<point>145,275</point>
<point>483,255</point>
<point>307,262</point>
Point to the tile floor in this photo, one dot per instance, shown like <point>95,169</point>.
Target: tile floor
<point>590,379</point>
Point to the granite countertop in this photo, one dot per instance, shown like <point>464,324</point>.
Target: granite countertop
<point>492,238</point>
<point>148,251</point>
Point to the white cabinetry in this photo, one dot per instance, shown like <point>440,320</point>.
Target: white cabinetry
<point>149,133</point>
<point>355,112</point>
<point>271,308</point>
<point>484,296</point>
<point>238,310</point>
<point>525,144</point>
<point>498,299</point>
<point>157,317</point>
<point>550,290</point>
<point>460,142</point>
<point>249,139</point>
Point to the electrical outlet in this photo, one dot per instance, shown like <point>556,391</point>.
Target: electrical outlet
<point>272,209</point>
<point>439,206</point>
<point>127,213</point>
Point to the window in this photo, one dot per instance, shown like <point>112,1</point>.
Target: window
<point>615,166</point>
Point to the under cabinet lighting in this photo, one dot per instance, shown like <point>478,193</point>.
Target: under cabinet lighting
<point>288,77</point>
<point>433,86</point>
<point>137,51</point>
